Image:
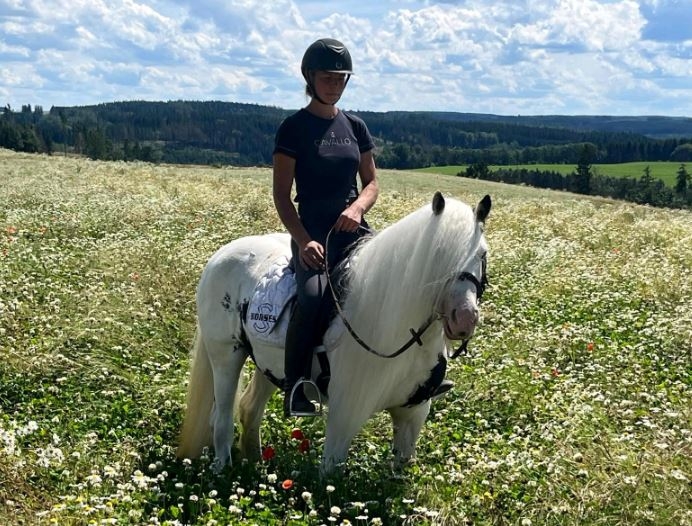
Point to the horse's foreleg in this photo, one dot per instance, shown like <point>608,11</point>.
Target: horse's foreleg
<point>250,413</point>
<point>227,363</point>
<point>343,423</point>
<point>407,423</point>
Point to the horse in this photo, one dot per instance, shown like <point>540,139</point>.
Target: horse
<point>411,289</point>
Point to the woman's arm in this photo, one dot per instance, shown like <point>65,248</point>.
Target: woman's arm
<point>350,218</point>
<point>311,252</point>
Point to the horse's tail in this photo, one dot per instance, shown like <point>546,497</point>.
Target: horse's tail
<point>196,431</point>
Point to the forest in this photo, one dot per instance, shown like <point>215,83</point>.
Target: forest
<point>227,133</point>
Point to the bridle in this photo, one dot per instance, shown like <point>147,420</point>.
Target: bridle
<point>415,334</point>
<point>480,288</point>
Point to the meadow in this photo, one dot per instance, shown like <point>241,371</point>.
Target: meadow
<point>663,170</point>
<point>573,406</point>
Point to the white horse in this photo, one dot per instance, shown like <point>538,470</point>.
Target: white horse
<point>423,273</point>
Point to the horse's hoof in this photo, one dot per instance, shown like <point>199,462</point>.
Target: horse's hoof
<point>217,466</point>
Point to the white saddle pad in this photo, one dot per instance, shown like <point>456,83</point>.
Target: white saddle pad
<point>269,307</point>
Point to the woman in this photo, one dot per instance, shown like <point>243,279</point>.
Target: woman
<point>323,150</point>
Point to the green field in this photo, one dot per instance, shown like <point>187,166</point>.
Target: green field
<point>573,408</point>
<point>666,171</point>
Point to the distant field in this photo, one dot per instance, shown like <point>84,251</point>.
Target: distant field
<point>666,171</point>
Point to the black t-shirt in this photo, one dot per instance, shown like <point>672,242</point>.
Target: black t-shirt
<point>327,154</point>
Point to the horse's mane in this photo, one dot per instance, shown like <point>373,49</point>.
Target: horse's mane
<point>395,279</point>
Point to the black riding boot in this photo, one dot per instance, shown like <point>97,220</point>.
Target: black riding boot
<point>298,364</point>
<point>300,406</point>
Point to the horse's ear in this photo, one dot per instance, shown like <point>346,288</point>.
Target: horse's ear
<point>438,203</point>
<point>483,209</point>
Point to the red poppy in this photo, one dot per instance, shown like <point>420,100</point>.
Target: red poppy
<point>589,346</point>
<point>287,484</point>
<point>268,453</point>
<point>297,434</point>
<point>304,445</point>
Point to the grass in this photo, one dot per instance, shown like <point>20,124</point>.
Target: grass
<point>573,407</point>
<point>666,171</point>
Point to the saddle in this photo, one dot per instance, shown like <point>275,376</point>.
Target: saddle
<point>267,313</point>
<point>268,310</point>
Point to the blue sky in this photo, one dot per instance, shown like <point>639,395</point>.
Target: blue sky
<point>528,57</point>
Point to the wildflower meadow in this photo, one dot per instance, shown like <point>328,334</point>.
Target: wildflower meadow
<point>572,407</point>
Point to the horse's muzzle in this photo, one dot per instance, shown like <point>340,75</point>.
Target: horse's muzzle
<point>461,323</point>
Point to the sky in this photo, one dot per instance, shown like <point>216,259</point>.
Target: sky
<point>507,57</point>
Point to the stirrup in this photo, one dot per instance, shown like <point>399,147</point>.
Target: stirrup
<point>300,384</point>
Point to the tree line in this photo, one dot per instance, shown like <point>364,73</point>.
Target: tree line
<point>225,133</point>
<point>583,180</point>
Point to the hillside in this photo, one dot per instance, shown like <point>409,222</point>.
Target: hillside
<point>213,132</point>
<point>572,407</point>
<point>654,126</point>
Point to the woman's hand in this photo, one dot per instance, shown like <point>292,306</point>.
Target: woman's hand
<point>350,219</point>
<point>312,255</point>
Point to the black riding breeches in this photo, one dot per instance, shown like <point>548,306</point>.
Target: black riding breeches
<point>314,307</point>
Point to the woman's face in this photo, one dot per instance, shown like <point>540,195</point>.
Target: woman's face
<point>329,86</point>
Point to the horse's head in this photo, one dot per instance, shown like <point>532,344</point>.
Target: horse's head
<point>459,306</point>
<point>422,269</point>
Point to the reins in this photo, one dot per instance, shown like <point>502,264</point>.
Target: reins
<point>415,334</point>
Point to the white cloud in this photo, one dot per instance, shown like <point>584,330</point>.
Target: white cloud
<point>20,75</point>
<point>15,5</point>
<point>593,25</point>
<point>18,52</point>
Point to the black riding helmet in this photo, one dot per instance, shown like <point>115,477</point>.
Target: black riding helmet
<point>325,54</point>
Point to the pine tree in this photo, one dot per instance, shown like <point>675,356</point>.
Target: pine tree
<point>583,173</point>
<point>682,181</point>
<point>63,126</point>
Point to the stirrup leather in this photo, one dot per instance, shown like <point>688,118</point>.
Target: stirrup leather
<point>299,384</point>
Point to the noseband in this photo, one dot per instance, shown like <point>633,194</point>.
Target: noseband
<point>480,285</point>
<point>480,288</point>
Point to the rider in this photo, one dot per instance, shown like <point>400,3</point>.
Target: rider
<point>322,149</point>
